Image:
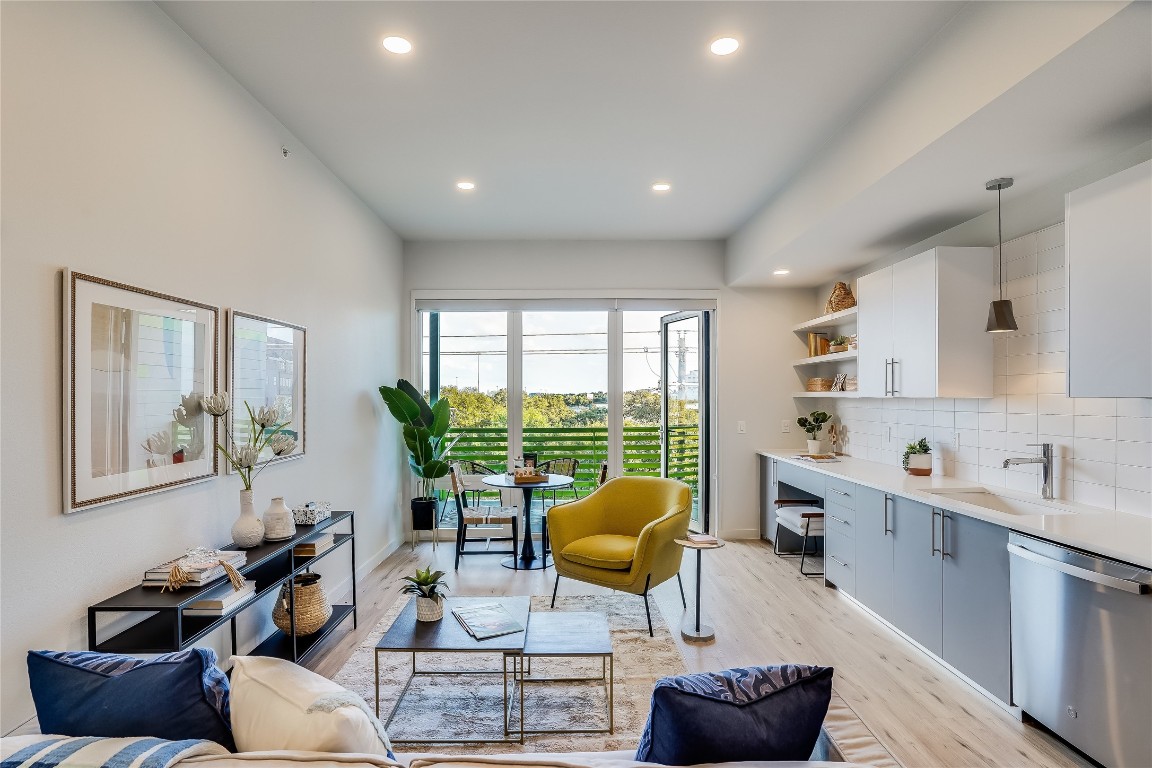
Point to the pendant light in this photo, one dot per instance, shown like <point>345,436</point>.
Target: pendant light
<point>1000,317</point>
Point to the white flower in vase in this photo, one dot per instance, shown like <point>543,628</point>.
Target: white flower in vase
<point>159,444</point>
<point>216,405</point>
<point>266,417</point>
<point>246,456</point>
<point>282,444</point>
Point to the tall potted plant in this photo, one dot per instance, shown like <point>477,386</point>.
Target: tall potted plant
<point>425,436</point>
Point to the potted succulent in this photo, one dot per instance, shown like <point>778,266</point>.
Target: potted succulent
<point>812,424</point>
<point>425,437</point>
<point>426,585</point>
<point>918,458</point>
<point>839,344</point>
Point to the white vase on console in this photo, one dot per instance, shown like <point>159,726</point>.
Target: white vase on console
<point>278,522</point>
<point>247,531</point>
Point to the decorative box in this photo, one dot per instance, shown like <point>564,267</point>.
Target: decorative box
<point>311,513</point>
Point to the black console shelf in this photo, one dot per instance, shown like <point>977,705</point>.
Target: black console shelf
<point>270,564</point>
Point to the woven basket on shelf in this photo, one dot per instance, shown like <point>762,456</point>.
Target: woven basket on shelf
<point>818,384</point>
<point>851,384</point>
<point>310,606</point>
<point>840,299</point>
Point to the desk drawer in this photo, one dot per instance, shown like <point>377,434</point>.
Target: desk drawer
<point>840,561</point>
<point>804,479</point>
<point>839,519</point>
<point>841,491</point>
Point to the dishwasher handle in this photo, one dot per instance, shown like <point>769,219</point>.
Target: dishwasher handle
<point>1104,579</point>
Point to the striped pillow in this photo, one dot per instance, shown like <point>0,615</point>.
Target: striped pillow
<point>92,752</point>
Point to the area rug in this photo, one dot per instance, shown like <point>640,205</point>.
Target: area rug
<point>469,706</point>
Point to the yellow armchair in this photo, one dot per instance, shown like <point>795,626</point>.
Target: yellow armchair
<point>622,535</point>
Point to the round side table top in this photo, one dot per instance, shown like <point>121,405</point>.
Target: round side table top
<point>688,544</point>
<point>506,481</point>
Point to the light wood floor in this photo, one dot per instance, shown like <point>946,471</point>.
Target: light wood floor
<point>766,613</point>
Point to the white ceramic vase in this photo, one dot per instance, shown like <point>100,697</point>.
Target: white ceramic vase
<point>247,531</point>
<point>278,521</point>
<point>814,446</point>
<point>920,464</point>
<point>428,609</point>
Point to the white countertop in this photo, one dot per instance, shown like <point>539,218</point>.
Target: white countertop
<point>1120,535</point>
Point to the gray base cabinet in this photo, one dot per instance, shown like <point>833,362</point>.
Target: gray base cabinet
<point>977,606</point>
<point>917,596</point>
<point>768,496</point>
<point>874,579</point>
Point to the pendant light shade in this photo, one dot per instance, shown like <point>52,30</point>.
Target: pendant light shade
<point>1000,316</point>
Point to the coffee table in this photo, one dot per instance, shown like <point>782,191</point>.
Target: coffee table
<point>554,634</point>
<point>406,635</point>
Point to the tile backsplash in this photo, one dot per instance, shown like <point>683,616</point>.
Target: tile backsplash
<point>1102,446</point>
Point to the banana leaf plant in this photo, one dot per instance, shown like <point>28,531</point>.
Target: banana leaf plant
<point>425,430</point>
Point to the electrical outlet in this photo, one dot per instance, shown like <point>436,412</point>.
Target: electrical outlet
<point>956,441</point>
<point>785,426</point>
<point>741,427</point>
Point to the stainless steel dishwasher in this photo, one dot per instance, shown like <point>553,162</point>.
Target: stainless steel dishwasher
<point>1082,649</point>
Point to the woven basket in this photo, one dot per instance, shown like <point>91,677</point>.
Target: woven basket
<point>310,606</point>
<point>818,384</point>
<point>840,299</point>
<point>851,384</point>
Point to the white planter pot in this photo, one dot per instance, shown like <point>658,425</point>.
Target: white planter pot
<point>278,522</point>
<point>247,531</point>
<point>429,610</point>
<point>814,446</point>
<point>920,464</point>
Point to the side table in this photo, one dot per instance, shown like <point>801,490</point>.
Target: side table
<point>696,632</point>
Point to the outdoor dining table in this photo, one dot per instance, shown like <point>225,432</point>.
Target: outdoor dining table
<point>528,558</point>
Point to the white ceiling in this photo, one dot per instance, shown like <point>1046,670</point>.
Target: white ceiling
<point>563,113</point>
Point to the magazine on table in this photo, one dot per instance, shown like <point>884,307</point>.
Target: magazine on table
<point>487,621</point>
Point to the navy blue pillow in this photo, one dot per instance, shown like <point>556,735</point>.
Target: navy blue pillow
<point>175,696</point>
<point>754,713</point>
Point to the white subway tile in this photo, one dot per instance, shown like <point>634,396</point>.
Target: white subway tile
<point>1023,384</point>
<point>999,384</point>
<point>1050,237</point>
<point>1052,259</point>
<point>1051,341</point>
<point>1099,427</point>
<point>1134,478</point>
<point>1100,472</point>
<point>1055,383</point>
<point>1134,406</point>
<point>999,366</point>
<point>995,441</point>
<point>1050,300</point>
<point>991,476</point>
<point>943,404</point>
<point>993,422</point>
<point>1052,280</point>
<point>967,420</point>
<point>1020,282</point>
<point>943,436</point>
<point>1134,454</point>
<point>1056,403</point>
<point>1022,364</point>
<point>971,405</point>
<point>1050,321</point>
<point>998,404</point>
<point>1134,429</point>
<point>1052,362</point>
<point>969,437</point>
<point>968,454</point>
<point>1025,245</point>
<point>1021,443</point>
<point>1094,450</point>
<point>924,404</point>
<point>1023,345</point>
<point>967,471</point>
<point>1134,502</point>
<point>1021,423</point>
<point>1021,404</point>
<point>1052,424</point>
<point>1095,406</point>
<point>1028,326</point>
<point>1094,495</point>
<point>924,418</point>
<point>944,419</point>
<point>1020,481</point>
<point>1025,305</point>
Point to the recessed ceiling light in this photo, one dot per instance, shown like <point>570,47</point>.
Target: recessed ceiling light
<point>661,186</point>
<point>722,46</point>
<point>397,45</point>
<point>781,271</point>
<point>465,185</point>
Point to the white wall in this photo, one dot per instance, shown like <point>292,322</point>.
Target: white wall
<point>753,327</point>
<point>129,154</point>
<point>1103,446</point>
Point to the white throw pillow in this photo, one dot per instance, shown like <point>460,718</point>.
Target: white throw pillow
<point>279,705</point>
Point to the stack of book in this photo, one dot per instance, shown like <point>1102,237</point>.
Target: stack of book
<point>314,547</point>
<point>201,570</point>
<point>702,538</point>
<point>222,600</point>
<point>485,621</point>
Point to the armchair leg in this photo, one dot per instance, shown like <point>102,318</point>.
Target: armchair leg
<point>515,544</point>
<point>647,609</point>
<point>461,533</point>
<point>555,588</point>
<point>681,583</point>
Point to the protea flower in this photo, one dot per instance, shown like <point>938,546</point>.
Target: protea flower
<point>184,417</point>
<point>216,405</point>
<point>190,403</point>
<point>266,417</point>
<point>246,456</point>
<point>282,444</point>
<point>158,443</point>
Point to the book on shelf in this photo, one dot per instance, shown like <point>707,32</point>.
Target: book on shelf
<point>316,546</point>
<point>702,538</point>
<point>224,604</point>
<point>200,570</point>
<point>487,621</point>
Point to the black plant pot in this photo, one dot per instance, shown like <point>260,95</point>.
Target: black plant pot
<point>424,513</point>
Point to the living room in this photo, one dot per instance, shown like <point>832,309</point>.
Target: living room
<point>276,160</point>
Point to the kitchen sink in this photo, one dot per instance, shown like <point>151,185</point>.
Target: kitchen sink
<point>1010,505</point>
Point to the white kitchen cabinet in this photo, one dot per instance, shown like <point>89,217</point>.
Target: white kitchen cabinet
<point>921,326</point>
<point>1108,252</point>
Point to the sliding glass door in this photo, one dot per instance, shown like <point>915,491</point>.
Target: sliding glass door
<point>683,406</point>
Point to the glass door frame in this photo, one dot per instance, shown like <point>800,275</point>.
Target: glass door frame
<point>704,405</point>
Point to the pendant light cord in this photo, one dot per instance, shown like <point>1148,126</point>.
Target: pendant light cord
<point>1000,237</point>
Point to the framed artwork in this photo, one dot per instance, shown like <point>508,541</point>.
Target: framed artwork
<point>267,367</point>
<point>136,364</point>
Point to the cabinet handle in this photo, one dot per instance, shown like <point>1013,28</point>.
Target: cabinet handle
<point>894,390</point>
<point>842,493</point>
<point>838,560</point>
<point>839,520</point>
<point>933,531</point>
<point>943,539</point>
<point>887,390</point>
<point>887,500</point>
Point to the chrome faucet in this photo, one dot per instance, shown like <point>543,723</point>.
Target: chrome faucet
<point>1044,458</point>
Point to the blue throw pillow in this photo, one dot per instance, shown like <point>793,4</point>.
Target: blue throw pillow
<point>755,713</point>
<point>176,696</point>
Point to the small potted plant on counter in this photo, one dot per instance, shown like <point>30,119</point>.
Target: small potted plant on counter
<point>812,424</point>
<point>839,344</point>
<point>426,585</point>
<point>918,458</point>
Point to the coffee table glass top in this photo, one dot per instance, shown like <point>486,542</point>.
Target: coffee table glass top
<point>407,634</point>
<point>553,633</point>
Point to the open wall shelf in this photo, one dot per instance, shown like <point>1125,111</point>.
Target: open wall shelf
<point>829,358</point>
<point>834,320</point>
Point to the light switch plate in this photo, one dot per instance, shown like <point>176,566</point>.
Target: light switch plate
<point>741,427</point>
<point>785,426</point>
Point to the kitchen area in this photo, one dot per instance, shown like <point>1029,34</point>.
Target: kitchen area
<point>1022,559</point>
